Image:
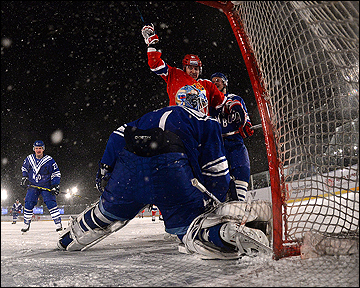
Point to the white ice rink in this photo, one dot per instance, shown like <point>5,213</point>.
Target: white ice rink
<point>139,255</point>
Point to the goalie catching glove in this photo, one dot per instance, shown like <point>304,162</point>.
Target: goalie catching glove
<point>148,32</point>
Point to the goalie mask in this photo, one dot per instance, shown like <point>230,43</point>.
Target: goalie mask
<point>192,97</point>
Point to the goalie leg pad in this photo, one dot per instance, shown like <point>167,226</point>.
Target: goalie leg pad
<point>87,229</point>
<point>233,216</point>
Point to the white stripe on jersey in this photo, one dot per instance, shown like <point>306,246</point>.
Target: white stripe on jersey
<point>221,159</point>
<point>120,131</point>
<point>36,167</point>
<point>163,119</point>
<point>55,174</point>
<point>223,173</point>
<point>160,67</point>
<point>218,167</point>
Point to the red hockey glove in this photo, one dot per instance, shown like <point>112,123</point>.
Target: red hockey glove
<point>235,109</point>
<point>149,35</point>
<point>246,130</point>
<point>229,104</point>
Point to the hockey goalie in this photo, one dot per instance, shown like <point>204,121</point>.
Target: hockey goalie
<point>173,158</point>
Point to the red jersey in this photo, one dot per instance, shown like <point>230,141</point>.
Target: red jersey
<point>177,78</point>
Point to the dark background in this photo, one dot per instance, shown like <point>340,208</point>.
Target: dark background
<point>80,67</point>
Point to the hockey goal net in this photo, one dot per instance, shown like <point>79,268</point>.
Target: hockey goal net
<point>303,62</point>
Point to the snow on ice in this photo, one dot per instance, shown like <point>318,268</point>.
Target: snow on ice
<point>141,254</point>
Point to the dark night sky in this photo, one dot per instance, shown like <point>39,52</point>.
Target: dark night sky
<point>81,67</point>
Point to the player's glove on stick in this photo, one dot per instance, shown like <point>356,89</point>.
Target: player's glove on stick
<point>235,109</point>
<point>246,131</point>
<point>103,174</point>
<point>149,35</point>
<point>55,190</point>
<point>24,182</point>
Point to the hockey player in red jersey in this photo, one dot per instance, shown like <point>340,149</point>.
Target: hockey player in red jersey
<point>177,78</point>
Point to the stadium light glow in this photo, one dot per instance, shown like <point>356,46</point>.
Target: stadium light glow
<point>4,194</point>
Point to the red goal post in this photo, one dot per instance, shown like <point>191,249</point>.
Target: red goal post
<point>302,58</point>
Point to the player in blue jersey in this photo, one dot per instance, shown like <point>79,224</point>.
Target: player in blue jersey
<point>236,126</point>
<point>152,161</point>
<point>40,171</point>
<point>16,210</point>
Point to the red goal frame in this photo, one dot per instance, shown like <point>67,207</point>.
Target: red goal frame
<point>281,248</point>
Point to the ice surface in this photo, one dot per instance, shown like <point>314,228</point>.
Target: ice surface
<point>139,255</point>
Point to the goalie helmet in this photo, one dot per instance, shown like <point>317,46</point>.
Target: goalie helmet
<point>222,76</point>
<point>192,60</point>
<point>39,143</point>
<point>192,97</point>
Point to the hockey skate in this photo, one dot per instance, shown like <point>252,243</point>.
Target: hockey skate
<point>25,228</point>
<point>14,222</point>
<point>58,227</point>
<point>248,241</point>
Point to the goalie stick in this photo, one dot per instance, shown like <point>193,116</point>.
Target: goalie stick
<point>237,131</point>
<point>202,188</point>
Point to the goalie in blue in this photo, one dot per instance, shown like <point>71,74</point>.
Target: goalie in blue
<point>152,161</point>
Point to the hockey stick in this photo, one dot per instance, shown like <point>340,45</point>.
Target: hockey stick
<point>47,189</point>
<point>237,132</point>
<point>202,188</point>
<point>139,12</point>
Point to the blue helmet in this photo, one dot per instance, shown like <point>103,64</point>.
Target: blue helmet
<point>222,76</point>
<point>192,97</point>
<point>39,143</point>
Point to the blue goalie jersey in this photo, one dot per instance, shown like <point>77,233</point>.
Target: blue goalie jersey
<point>201,137</point>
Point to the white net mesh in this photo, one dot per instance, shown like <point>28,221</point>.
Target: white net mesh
<point>308,55</point>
